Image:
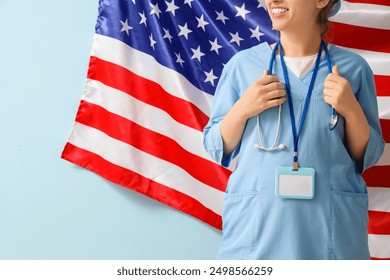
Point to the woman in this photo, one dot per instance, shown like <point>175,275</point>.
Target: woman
<point>296,192</point>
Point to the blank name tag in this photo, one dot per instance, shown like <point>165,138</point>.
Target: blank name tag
<point>294,184</point>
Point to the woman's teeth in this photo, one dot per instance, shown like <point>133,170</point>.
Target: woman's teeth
<point>279,11</point>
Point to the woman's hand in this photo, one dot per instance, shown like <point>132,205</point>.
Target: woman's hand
<point>261,95</point>
<point>338,93</point>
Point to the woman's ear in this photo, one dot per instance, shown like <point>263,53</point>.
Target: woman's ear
<point>322,3</point>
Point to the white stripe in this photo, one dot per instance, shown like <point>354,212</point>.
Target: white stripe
<point>379,199</point>
<point>384,107</point>
<point>145,115</point>
<point>156,169</point>
<point>366,15</point>
<point>379,245</point>
<point>385,158</point>
<point>113,50</point>
<point>378,61</point>
<point>146,66</point>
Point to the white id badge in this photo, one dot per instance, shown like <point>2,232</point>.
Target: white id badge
<point>294,184</point>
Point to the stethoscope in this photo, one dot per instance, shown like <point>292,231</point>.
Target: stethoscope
<point>333,119</point>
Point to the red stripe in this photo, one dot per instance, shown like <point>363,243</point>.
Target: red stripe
<point>374,2</point>
<point>382,84</point>
<point>153,143</point>
<point>385,125</point>
<point>359,37</point>
<point>377,176</point>
<point>379,222</point>
<point>136,182</point>
<point>380,259</point>
<point>147,91</point>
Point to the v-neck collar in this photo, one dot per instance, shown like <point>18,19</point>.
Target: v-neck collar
<point>303,82</point>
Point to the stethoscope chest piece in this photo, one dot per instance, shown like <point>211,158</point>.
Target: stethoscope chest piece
<point>334,119</point>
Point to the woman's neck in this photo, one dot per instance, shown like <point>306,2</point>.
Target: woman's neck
<point>300,45</point>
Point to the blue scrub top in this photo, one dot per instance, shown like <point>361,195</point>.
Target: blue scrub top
<point>256,223</point>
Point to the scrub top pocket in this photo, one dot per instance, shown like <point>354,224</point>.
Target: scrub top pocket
<point>240,225</point>
<point>349,225</point>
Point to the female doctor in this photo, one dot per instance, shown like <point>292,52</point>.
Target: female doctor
<point>302,115</point>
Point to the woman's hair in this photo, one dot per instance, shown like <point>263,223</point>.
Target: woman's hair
<point>324,15</point>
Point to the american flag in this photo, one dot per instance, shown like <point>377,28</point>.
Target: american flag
<point>153,70</point>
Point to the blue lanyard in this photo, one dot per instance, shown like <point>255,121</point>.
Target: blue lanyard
<point>288,91</point>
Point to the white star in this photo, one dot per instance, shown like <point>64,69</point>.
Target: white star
<point>197,54</point>
<point>155,10</point>
<point>201,22</point>
<point>262,4</point>
<point>236,38</point>
<point>143,18</point>
<point>188,2</point>
<point>152,41</point>
<point>256,33</point>
<point>179,59</point>
<point>184,31</point>
<point>167,35</point>
<point>126,27</point>
<point>215,46</point>
<point>210,77</point>
<point>133,1</point>
<point>171,7</point>
<point>221,17</point>
<point>241,11</point>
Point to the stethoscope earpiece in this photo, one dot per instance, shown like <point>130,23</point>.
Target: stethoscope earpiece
<point>282,147</point>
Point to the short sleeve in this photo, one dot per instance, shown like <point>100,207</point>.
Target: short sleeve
<point>224,99</point>
<point>366,96</point>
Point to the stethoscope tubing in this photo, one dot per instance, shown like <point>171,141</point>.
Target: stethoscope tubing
<point>334,116</point>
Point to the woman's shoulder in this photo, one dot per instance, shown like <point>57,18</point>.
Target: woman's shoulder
<point>253,54</point>
<point>341,55</point>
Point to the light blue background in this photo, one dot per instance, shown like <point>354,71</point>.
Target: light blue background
<point>49,208</point>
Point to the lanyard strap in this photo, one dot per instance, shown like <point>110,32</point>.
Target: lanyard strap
<point>307,100</point>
